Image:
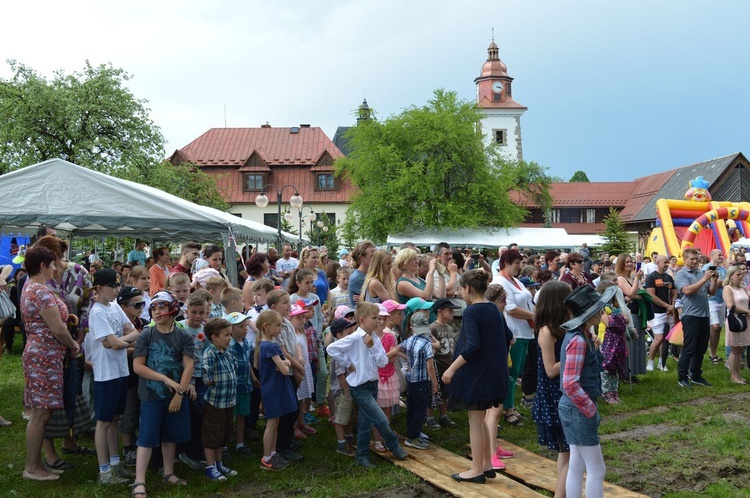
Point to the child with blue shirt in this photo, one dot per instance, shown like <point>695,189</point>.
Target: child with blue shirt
<point>242,350</point>
<point>220,377</point>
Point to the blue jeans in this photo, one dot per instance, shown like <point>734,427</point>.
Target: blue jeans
<point>366,397</point>
<point>419,395</point>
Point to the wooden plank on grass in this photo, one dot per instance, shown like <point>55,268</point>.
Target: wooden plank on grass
<point>541,472</point>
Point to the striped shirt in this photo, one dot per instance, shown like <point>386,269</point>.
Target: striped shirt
<point>220,368</point>
<point>418,350</point>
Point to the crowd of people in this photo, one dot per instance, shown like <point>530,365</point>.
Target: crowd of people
<point>179,364</point>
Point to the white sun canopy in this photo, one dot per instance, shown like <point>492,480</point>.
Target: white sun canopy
<point>531,238</point>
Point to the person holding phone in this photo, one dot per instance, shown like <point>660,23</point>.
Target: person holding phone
<point>717,310</point>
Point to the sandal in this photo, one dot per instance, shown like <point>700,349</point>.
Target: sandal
<point>714,360</point>
<point>4,422</point>
<point>78,450</point>
<point>178,482</point>
<point>379,447</point>
<point>139,494</point>
<point>512,419</point>
<point>58,464</point>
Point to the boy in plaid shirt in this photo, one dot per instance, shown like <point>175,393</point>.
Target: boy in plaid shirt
<point>420,379</point>
<point>220,376</point>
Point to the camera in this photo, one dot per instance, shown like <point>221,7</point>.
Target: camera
<point>712,268</point>
<point>475,257</point>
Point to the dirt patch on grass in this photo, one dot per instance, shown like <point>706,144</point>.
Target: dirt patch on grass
<point>418,490</point>
<point>641,432</point>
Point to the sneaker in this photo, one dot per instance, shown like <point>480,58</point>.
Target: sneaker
<point>424,436</point>
<point>400,453</point>
<point>701,382</point>
<point>344,449</point>
<point>323,411</point>
<point>497,463</point>
<point>447,422</point>
<point>130,457</point>
<point>663,367</point>
<point>351,441</point>
<point>244,451</point>
<point>527,402</point>
<point>225,470</point>
<point>365,463</point>
<point>109,477</point>
<point>650,366</point>
<point>190,462</point>
<point>225,455</point>
<point>276,462</point>
<point>417,443</point>
<point>124,472</point>
<point>501,453</point>
<point>309,418</point>
<point>684,383</point>
<point>213,473</point>
<point>432,424</point>
<point>291,456</point>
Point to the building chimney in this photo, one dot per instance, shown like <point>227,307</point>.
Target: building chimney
<point>304,126</point>
<point>267,125</point>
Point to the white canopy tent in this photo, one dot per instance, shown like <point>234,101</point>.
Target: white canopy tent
<point>87,203</point>
<point>532,238</point>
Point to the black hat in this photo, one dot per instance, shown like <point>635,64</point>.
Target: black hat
<point>341,324</point>
<point>106,276</point>
<point>444,303</point>
<point>584,302</point>
<point>127,293</point>
<point>528,282</point>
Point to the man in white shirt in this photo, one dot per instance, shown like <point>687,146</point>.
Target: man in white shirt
<point>286,265</point>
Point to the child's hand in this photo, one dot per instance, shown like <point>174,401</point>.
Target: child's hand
<point>173,386</point>
<point>175,404</point>
<point>367,338</point>
<point>191,392</point>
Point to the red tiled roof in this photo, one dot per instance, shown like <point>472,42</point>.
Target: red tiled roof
<point>645,189</point>
<point>589,194</point>
<point>486,103</point>
<point>572,228</point>
<point>274,146</point>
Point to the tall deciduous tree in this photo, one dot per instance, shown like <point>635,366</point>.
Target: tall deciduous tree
<point>579,177</point>
<point>89,118</point>
<point>427,168</point>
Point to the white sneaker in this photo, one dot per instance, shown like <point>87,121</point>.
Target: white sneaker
<point>650,366</point>
<point>663,368</point>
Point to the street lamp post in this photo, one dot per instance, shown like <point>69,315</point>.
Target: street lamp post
<point>309,218</point>
<point>261,200</point>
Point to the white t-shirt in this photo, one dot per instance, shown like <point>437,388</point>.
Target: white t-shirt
<point>287,265</point>
<point>108,364</point>
<point>517,296</point>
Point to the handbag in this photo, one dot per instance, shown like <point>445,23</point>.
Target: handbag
<point>7,309</point>
<point>737,322</point>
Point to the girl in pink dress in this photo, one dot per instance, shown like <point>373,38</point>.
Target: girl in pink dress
<point>389,386</point>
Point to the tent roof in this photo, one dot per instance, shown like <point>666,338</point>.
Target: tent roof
<point>89,203</point>
<point>532,238</point>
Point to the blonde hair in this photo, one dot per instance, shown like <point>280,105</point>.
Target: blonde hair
<point>230,294</point>
<point>304,254</point>
<point>214,283</point>
<point>366,309</point>
<point>731,271</point>
<point>137,273</point>
<point>403,257</point>
<point>376,272</point>
<point>266,318</point>
<point>177,278</point>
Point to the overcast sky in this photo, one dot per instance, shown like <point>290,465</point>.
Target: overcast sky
<point>616,89</point>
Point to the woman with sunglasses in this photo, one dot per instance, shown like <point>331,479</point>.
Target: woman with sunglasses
<point>576,277</point>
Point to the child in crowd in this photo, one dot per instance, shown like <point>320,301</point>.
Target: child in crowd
<point>231,300</point>
<point>113,334</point>
<point>342,398</point>
<point>131,302</point>
<point>396,312</point>
<point>614,347</point>
<point>260,289</point>
<point>276,385</point>
<point>306,346</point>
<point>340,293</point>
<point>421,379</point>
<point>302,286</point>
<point>389,386</point>
<point>242,350</point>
<point>163,358</point>
<point>444,333</point>
<point>216,285</point>
<point>178,284</point>
<point>197,310</point>
<point>364,350</point>
<point>140,279</point>
<point>581,386</point>
<point>278,300</point>
<point>220,377</point>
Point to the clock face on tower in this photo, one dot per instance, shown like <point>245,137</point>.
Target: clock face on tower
<point>497,87</point>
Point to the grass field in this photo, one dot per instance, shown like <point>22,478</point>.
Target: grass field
<point>662,441</point>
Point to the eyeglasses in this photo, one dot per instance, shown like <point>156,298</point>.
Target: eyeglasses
<point>139,305</point>
<point>576,261</point>
<point>161,305</point>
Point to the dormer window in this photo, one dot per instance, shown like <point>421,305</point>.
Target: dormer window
<point>326,181</point>
<point>254,182</point>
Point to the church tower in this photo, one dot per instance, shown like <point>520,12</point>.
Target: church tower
<point>501,115</point>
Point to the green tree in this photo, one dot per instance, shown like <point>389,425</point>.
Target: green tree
<point>185,180</point>
<point>579,177</point>
<point>325,237</point>
<point>615,234</point>
<point>89,118</point>
<point>428,168</point>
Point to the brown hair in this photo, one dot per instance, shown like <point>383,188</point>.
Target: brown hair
<point>275,296</point>
<point>196,299</point>
<point>550,311</point>
<point>215,325</point>
<point>230,294</point>
<point>297,276</point>
<point>476,280</point>
<point>262,284</point>
<point>36,256</point>
<point>57,246</point>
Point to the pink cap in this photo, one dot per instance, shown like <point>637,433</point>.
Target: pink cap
<point>296,309</point>
<point>391,306</point>
<point>342,311</point>
<point>383,310</point>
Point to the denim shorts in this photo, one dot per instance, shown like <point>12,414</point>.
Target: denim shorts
<point>579,430</point>
<point>158,426</point>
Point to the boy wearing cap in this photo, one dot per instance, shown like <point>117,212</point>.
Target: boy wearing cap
<point>342,398</point>
<point>444,333</point>
<point>112,333</point>
<point>421,381</point>
<point>242,350</point>
<point>163,358</point>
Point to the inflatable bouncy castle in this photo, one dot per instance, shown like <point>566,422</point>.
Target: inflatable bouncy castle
<point>698,222</point>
